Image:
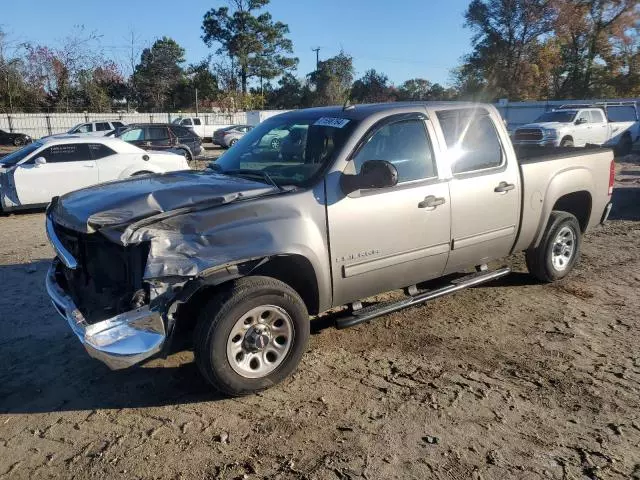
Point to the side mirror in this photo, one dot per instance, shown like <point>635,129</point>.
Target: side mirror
<point>373,174</point>
<point>580,121</point>
<point>40,161</point>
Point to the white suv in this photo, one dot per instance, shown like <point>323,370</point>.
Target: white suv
<point>98,129</point>
<point>572,125</point>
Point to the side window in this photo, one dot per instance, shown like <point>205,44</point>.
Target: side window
<point>99,151</point>
<point>117,124</point>
<point>102,127</point>
<point>132,135</point>
<point>72,152</point>
<point>406,145</point>
<point>156,133</point>
<point>181,131</point>
<point>471,139</point>
<point>86,128</point>
<point>584,114</point>
<point>196,121</point>
<point>597,116</point>
<point>186,121</point>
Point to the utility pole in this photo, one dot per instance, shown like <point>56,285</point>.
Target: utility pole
<point>317,50</point>
<point>196,101</point>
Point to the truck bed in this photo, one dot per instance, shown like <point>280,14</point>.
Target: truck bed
<point>545,170</point>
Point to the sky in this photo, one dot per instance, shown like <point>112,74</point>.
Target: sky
<point>403,38</point>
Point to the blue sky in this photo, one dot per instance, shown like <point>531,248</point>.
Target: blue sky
<point>403,38</point>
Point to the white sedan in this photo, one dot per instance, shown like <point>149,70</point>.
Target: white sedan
<point>31,176</point>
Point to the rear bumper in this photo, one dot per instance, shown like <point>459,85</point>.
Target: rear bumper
<point>606,212</point>
<point>120,341</point>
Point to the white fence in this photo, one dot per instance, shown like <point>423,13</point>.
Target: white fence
<point>38,125</point>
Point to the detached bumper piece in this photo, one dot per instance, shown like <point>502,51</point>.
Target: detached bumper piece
<point>120,341</point>
<point>605,213</point>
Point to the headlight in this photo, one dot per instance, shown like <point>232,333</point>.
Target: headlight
<point>550,133</point>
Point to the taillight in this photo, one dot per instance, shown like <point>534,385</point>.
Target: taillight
<point>612,176</point>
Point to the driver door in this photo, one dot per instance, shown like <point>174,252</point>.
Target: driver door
<point>68,167</point>
<point>388,238</point>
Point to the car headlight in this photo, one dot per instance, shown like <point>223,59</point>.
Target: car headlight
<point>550,133</point>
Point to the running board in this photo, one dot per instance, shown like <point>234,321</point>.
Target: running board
<point>369,313</point>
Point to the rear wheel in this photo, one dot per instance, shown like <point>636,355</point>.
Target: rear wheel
<point>559,249</point>
<point>18,141</point>
<point>233,142</point>
<point>187,154</point>
<point>251,335</point>
<point>566,142</point>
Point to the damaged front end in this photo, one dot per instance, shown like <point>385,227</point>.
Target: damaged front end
<point>98,287</point>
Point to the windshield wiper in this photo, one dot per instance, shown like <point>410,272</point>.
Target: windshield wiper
<point>247,172</point>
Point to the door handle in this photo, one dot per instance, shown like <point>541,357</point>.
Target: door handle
<point>431,202</point>
<point>504,187</point>
<point>87,165</point>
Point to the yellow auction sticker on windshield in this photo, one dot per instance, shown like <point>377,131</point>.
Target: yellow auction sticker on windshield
<point>331,122</point>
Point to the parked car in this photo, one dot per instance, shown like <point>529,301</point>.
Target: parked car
<point>383,197</point>
<point>163,136</point>
<point>198,125</point>
<point>228,136</point>
<point>15,139</point>
<point>97,129</point>
<point>578,126</point>
<point>31,176</point>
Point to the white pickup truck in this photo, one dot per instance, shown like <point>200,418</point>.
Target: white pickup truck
<point>199,125</point>
<point>611,124</point>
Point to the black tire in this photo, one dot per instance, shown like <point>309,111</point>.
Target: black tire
<point>144,172</point>
<point>18,141</point>
<point>218,317</point>
<point>233,142</point>
<point>566,142</point>
<point>624,147</point>
<point>187,154</point>
<point>275,144</point>
<point>540,260</point>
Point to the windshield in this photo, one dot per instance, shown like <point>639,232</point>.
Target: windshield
<point>19,155</point>
<point>289,152</point>
<point>565,116</point>
<point>621,113</point>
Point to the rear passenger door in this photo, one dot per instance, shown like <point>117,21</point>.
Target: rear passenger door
<point>484,190</point>
<point>387,238</point>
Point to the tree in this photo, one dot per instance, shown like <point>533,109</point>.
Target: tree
<point>252,40</point>
<point>158,73</point>
<point>587,31</point>
<point>414,89</point>
<point>332,80</point>
<point>373,87</point>
<point>506,35</point>
<point>289,94</point>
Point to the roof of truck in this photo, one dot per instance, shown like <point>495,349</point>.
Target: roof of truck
<point>362,111</point>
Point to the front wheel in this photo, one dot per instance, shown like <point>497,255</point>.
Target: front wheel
<point>18,141</point>
<point>559,249</point>
<point>251,335</point>
<point>567,142</point>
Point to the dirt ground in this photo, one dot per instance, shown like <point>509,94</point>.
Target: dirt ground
<point>513,379</point>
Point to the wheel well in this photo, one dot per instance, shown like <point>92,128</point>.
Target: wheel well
<point>297,272</point>
<point>578,204</point>
<point>566,137</point>
<point>141,172</point>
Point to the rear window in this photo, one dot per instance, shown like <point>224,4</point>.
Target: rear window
<point>156,133</point>
<point>181,131</point>
<point>621,114</point>
<point>99,151</point>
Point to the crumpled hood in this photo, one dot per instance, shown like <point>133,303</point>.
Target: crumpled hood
<point>125,201</point>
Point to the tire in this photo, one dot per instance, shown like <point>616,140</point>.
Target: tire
<point>18,141</point>
<point>233,142</point>
<point>187,154</point>
<point>144,172</point>
<point>624,147</point>
<point>275,144</point>
<point>559,249</point>
<point>223,343</point>
<point>566,142</point>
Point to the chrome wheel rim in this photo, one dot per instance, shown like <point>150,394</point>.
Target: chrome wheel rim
<point>260,341</point>
<point>275,143</point>
<point>563,249</point>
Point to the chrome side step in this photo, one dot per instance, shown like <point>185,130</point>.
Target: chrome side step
<point>369,313</point>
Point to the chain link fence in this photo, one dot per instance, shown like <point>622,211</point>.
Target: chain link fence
<point>38,125</point>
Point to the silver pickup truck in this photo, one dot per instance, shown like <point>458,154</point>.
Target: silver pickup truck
<point>381,197</point>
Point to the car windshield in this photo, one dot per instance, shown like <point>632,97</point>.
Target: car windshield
<point>286,151</point>
<point>19,155</point>
<point>562,116</point>
<point>621,113</point>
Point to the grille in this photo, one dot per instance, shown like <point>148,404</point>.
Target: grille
<point>528,134</point>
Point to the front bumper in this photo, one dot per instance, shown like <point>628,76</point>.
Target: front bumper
<point>545,142</point>
<point>120,341</point>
